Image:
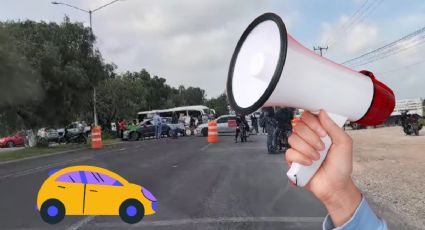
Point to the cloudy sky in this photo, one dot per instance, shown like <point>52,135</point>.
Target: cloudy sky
<point>190,42</point>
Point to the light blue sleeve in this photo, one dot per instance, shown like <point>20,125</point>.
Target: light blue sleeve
<point>363,218</point>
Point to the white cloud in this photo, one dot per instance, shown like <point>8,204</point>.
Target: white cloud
<point>349,40</point>
<point>188,42</point>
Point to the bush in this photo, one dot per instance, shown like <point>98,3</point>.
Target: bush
<point>422,121</point>
<point>42,142</point>
<point>108,134</point>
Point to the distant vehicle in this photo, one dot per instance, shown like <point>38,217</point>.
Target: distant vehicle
<point>410,123</point>
<point>77,132</point>
<point>179,127</point>
<point>222,126</point>
<point>17,139</point>
<point>78,126</point>
<point>354,125</point>
<point>90,190</point>
<point>47,135</point>
<point>146,129</point>
<point>184,113</point>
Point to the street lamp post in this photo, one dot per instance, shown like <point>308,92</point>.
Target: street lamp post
<point>90,12</point>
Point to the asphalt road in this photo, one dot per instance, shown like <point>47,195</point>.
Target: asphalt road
<point>198,186</point>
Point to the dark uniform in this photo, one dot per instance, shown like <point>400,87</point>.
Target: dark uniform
<point>240,123</point>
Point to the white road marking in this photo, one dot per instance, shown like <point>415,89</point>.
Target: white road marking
<point>205,147</point>
<point>217,220</point>
<point>41,168</point>
<point>81,223</point>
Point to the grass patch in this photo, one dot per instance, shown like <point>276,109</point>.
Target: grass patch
<point>36,151</point>
<point>105,141</point>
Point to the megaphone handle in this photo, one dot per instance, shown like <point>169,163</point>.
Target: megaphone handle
<point>301,174</point>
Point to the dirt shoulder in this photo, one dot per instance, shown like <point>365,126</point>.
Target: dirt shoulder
<point>389,168</point>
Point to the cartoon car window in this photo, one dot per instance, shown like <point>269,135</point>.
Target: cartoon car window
<point>72,177</point>
<point>99,178</point>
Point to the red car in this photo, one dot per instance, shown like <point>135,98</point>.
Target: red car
<point>12,141</point>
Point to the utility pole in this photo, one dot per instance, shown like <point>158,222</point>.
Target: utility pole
<point>90,12</point>
<point>319,48</point>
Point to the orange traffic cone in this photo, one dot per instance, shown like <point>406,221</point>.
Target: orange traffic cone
<point>212,132</point>
<point>96,138</point>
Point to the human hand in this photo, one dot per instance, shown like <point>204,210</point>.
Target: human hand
<point>332,183</point>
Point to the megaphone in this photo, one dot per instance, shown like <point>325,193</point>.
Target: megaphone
<point>270,68</point>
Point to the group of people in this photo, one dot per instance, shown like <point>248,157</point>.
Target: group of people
<point>158,122</point>
<point>277,123</point>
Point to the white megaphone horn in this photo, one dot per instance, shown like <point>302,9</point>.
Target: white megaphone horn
<point>270,68</point>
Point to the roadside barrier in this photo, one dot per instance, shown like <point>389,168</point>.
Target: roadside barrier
<point>212,132</point>
<point>96,138</point>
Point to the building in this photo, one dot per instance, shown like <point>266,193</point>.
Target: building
<point>413,106</point>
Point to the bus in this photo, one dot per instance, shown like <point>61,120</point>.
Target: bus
<point>184,113</point>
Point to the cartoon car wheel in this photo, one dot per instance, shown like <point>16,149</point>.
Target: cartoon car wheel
<point>132,211</point>
<point>52,211</point>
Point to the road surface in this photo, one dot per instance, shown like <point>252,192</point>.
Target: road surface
<point>198,186</point>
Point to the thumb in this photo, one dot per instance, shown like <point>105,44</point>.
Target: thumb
<point>335,132</point>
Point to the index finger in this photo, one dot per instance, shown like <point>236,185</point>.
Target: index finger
<point>313,123</point>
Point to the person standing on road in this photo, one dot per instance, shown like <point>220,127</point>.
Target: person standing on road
<point>254,122</point>
<point>332,184</point>
<point>157,121</point>
<point>192,125</point>
<point>241,124</point>
<point>284,118</point>
<point>122,127</point>
<point>262,122</point>
<point>175,120</point>
<point>270,126</point>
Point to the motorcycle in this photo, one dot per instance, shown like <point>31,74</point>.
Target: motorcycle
<point>75,137</point>
<point>244,132</point>
<point>410,123</point>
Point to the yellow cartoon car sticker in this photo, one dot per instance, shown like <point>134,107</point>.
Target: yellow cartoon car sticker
<point>90,190</point>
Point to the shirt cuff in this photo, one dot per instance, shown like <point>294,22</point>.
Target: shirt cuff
<point>363,218</point>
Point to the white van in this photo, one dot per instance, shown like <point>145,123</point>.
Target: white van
<point>184,113</point>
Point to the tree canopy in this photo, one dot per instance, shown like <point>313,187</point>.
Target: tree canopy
<point>48,72</point>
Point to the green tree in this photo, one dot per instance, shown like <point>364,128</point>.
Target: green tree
<point>66,68</point>
<point>219,104</point>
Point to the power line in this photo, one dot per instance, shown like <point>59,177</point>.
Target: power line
<point>382,49</point>
<point>346,23</point>
<point>357,17</point>
<point>388,53</point>
<point>401,68</point>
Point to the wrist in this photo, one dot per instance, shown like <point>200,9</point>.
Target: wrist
<point>343,203</point>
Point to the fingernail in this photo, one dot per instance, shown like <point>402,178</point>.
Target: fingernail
<point>320,146</point>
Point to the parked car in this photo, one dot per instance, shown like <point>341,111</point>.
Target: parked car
<point>79,126</point>
<point>222,126</point>
<point>17,139</point>
<point>179,127</point>
<point>146,129</point>
<point>50,135</point>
